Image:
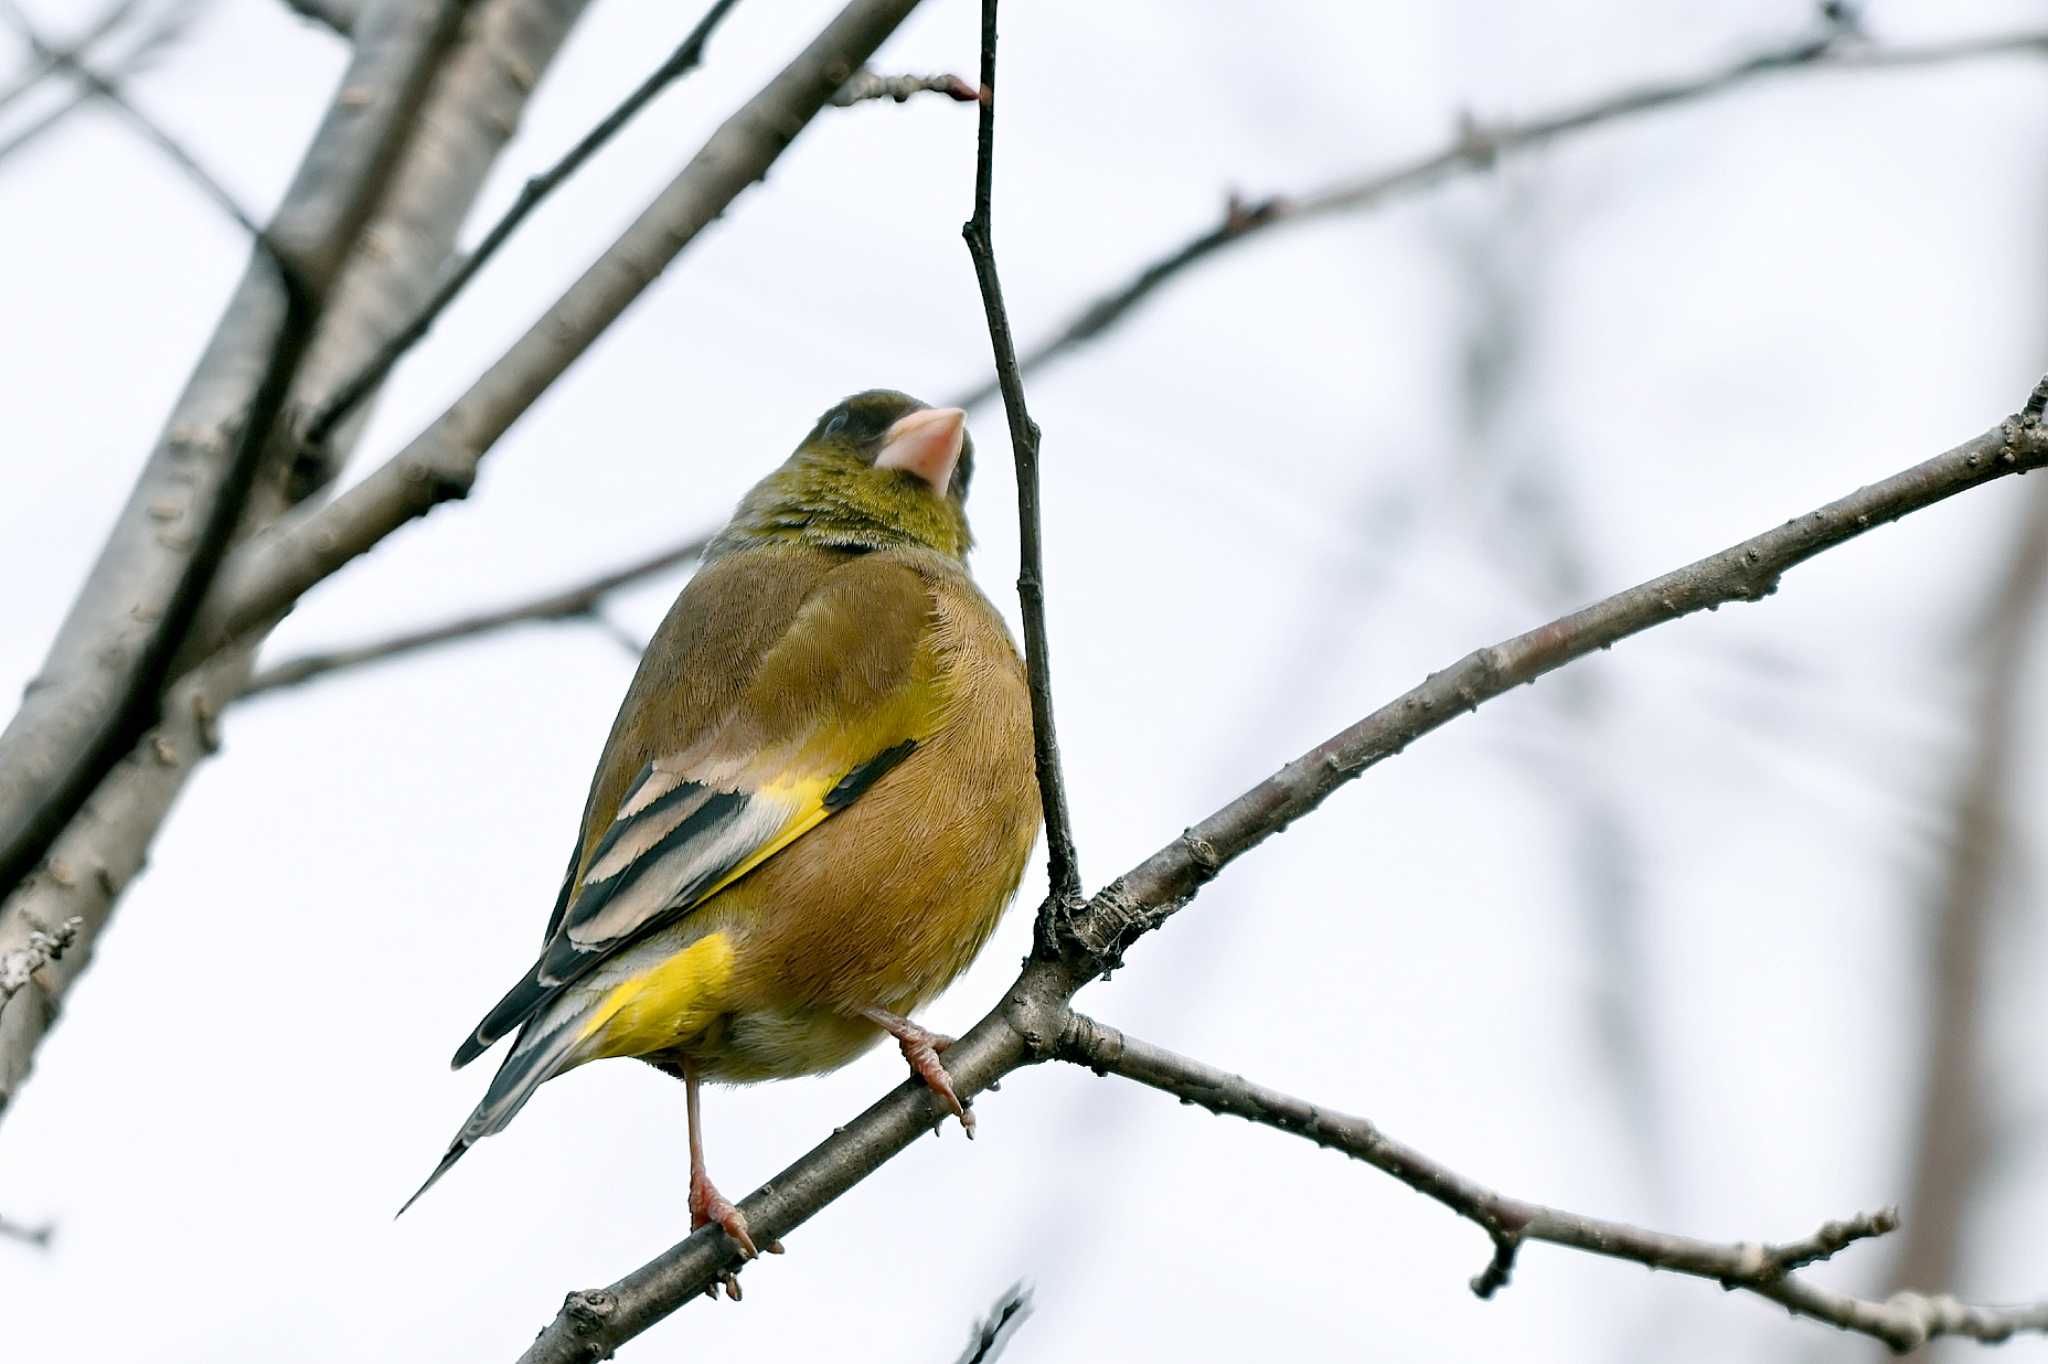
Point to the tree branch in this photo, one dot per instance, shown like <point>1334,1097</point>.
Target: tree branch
<point>1027,1023</point>
<point>1063,869</point>
<point>999,1327</point>
<point>467,102</point>
<point>171,25</point>
<point>104,89</point>
<point>111,18</point>
<point>265,578</point>
<point>337,16</point>
<point>576,602</point>
<point>99,686</point>
<point>1954,1117</point>
<point>686,57</point>
<point>1905,1322</point>
<point>866,85</point>
<point>1478,146</point>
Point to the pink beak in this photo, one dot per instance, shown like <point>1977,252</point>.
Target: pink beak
<point>927,443</point>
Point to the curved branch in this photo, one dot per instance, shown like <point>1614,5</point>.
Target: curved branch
<point>1478,145</point>
<point>1063,863</point>
<point>1026,1025</point>
<point>686,57</point>
<point>264,578</point>
<point>1904,1321</point>
<point>577,602</point>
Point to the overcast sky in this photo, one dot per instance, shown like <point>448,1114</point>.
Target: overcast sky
<point>1645,941</point>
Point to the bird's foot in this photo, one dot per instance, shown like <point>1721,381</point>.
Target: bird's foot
<point>708,1206</point>
<point>921,1048</point>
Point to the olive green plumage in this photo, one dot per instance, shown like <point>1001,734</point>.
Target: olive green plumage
<point>817,797</point>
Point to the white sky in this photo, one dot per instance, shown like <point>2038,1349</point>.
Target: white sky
<point>1264,517</point>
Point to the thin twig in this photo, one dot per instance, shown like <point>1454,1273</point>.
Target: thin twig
<point>171,25</point>
<point>1477,146</point>
<point>264,578</point>
<point>44,66</point>
<point>1064,868</point>
<point>157,135</point>
<point>1030,1016</point>
<point>687,55</point>
<point>577,602</point>
<point>38,1235</point>
<point>1905,1322</point>
<point>995,1331</point>
<point>1955,1114</point>
<point>866,85</point>
<point>337,16</point>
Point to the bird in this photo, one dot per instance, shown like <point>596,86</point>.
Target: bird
<point>814,805</point>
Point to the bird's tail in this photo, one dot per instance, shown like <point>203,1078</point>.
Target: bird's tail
<point>546,1047</point>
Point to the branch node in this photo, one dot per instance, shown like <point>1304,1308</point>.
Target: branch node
<point>1501,1267</point>
<point>2037,403</point>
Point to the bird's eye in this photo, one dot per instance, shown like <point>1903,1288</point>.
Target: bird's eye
<point>835,424</point>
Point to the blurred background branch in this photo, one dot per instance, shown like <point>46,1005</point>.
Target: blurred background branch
<point>1905,1322</point>
<point>577,602</point>
<point>1955,1117</point>
<point>1480,145</point>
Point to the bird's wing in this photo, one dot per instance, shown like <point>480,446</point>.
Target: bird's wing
<point>843,693</point>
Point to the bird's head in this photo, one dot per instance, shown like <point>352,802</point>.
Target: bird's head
<point>879,469</point>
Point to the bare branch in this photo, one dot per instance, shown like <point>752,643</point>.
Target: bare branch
<point>460,104</point>
<point>263,579</point>
<point>1064,870</point>
<point>1478,146</point>
<point>1905,1322</point>
<point>1954,1120</point>
<point>99,687</point>
<point>170,26</point>
<point>688,54</point>
<point>337,16</point>
<point>1146,896</point>
<point>995,1331</point>
<point>111,18</point>
<point>38,1235</point>
<point>42,948</point>
<point>866,85</point>
<point>154,132</point>
<point>1028,1021</point>
<point>577,602</point>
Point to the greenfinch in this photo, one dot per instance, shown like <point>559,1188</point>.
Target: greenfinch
<point>813,807</point>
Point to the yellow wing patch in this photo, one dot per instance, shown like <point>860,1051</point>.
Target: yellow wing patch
<point>659,1007</point>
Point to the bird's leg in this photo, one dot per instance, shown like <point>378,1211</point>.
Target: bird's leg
<point>707,1204</point>
<point>921,1048</point>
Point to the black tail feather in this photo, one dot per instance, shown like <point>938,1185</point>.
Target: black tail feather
<point>455,1153</point>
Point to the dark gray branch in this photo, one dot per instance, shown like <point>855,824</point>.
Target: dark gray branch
<point>456,105</point>
<point>98,689</point>
<point>687,55</point>
<point>1905,1321</point>
<point>1026,1025</point>
<point>577,602</point>
<point>265,578</point>
<point>999,1327</point>
<point>43,67</point>
<point>337,16</point>
<point>111,94</point>
<point>1064,869</point>
<point>1479,145</point>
